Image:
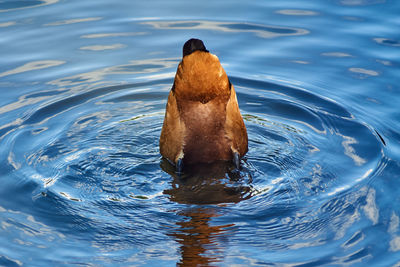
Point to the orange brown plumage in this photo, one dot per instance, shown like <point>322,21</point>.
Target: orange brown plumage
<point>202,120</point>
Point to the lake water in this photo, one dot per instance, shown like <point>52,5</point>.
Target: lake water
<point>83,89</point>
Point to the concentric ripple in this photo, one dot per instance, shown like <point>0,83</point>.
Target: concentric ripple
<point>308,140</point>
<point>95,157</point>
<point>311,162</point>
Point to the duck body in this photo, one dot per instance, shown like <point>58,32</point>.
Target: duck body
<point>202,120</point>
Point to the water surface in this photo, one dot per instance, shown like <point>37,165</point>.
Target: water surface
<point>83,92</point>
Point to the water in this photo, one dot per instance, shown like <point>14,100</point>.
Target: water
<point>83,91</point>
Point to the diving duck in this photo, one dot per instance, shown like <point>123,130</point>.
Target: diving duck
<point>202,120</point>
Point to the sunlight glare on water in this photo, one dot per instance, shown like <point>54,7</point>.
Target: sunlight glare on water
<point>84,88</point>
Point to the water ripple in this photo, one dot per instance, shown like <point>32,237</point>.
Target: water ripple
<point>84,87</point>
<point>72,21</point>
<point>263,31</point>
<point>6,6</point>
<point>388,42</point>
<point>94,155</point>
<point>35,65</point>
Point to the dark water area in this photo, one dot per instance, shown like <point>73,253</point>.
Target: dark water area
<point>83,89</point>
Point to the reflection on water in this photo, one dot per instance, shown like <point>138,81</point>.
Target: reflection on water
<point>208,184</point>
<point>336,54</point>
<point>349,150</point>
<point>363,73</point>
<point>199,240</point>
<point>7,24</point>
<point>103,47</point>
<point>72,21</point>
<point>263,31</point>
<point>34,65</point>
<point>361,2</point>
<point>13,5</point>
<point>135,67</point>
<point>297,12</point>
<point>114,34</point>
<point>204,184</point>
<point>393,230</point>
<point>388,42</point>
<point>83,92</point>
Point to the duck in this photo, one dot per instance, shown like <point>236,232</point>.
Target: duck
<point>202,122</point>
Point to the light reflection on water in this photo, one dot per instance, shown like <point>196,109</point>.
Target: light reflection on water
<point>84,89</point>
<point>262,31</point>
<point>72,21</point>
<point>35,65</point>
<point>7,6</point>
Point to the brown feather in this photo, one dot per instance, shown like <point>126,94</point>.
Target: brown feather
<point>202,120</point>
<point>200,77</point>
<point>173,130</point>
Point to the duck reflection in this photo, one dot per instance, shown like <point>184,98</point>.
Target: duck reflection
<point>212,183</point>
<point>203,185</point>
<point>199,245</point>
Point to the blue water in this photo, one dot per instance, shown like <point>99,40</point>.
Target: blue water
<point>83,89</point>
